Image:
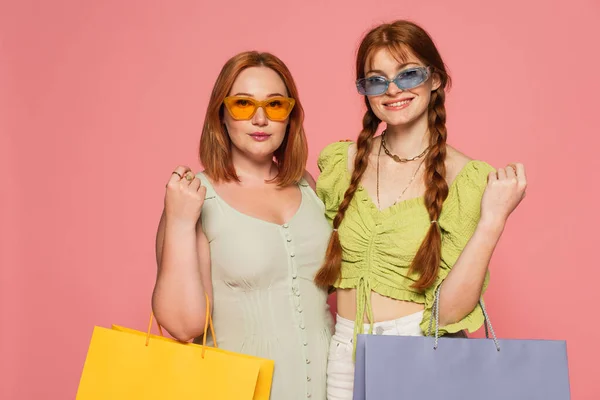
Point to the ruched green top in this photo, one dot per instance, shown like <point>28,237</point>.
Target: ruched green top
<point>378,246</point>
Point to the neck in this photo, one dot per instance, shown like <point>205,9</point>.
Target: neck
<point>408,140</point>
<point>254,170</point>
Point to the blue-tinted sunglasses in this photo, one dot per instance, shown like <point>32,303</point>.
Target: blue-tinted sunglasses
<point>407,79</point>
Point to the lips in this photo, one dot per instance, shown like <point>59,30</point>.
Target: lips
<point>398,103</point>
<point>259,136</point>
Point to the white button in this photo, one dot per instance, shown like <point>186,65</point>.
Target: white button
<point>289,239</point>
<point>305,343</point>
<point>299,309</point>
<point>307,361</point>
<point>308,378</point>
<point>302,325</point>
<point>285,225</point>
<point>309,395</point>
<point>294,275</point>
<point>292,254</point>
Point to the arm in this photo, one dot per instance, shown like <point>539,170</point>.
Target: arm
<point>183,261</point>
<point>462,287</point>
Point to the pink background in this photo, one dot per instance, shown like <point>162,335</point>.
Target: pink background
<point>99,100</point>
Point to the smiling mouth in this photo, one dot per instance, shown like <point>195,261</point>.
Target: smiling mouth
<point>400,103</point>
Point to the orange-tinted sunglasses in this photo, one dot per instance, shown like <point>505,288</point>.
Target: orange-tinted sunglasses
<point>243,108</point>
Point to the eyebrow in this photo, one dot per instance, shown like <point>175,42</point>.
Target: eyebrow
<point>250,95</point>
<point>380,72</point>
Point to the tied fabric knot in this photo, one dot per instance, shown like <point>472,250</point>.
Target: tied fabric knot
<point>363,291</point>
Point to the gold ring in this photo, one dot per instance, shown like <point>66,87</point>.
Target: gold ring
<point>178,174</point>
<point>189,176</point>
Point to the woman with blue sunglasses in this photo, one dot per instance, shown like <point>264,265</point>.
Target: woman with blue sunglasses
<point>408,211</point>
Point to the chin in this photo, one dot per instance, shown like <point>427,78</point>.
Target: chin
<point>408,117</point>
<point>398,121</point>
<point>261,153</point>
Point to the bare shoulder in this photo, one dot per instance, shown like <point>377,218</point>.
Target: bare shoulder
<point>455,162</point>
<point>309,178</point>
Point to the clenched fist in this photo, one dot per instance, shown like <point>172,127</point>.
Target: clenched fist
<point>504,192</point>
<point>184,196</point>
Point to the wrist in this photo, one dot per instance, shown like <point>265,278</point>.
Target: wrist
<point>180,225</point>
<point>492,225</point>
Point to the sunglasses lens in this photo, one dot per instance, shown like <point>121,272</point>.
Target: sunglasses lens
<point>241,108</point>
<point>411,78</point>
<point>278,109</point>
<point>376,85</point>
<point>244,108</point>
<point>372,86</point>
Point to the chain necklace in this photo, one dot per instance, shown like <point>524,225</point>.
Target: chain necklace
<point>382,145</point>
<point>395,157</point>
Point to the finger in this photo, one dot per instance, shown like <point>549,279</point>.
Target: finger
<point>202,191</point>
<point>195,184</point>
<point>511,172</point>
<point>492,176</point>
<point>521,177</point>
<point>188,177</point>
<point>501,173</point>
<point>175,177</point>
<point>178,173</point>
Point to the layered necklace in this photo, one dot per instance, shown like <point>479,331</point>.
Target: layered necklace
<point>398,160</point>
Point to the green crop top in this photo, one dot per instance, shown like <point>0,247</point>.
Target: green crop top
<point>378,246</point>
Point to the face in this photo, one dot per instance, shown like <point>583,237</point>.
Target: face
<point>395,106</point>
<point>257,137</point>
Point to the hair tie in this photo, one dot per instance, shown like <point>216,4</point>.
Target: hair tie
<point>434,222</point>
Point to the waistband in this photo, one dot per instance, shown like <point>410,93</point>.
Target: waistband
<point>345,327</point>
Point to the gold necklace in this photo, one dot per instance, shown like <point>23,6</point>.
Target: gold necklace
<point>409,182</point>
<point>395,157</point>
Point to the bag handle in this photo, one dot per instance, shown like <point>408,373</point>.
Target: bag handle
<point>436,312</point>
<point>208,322</point>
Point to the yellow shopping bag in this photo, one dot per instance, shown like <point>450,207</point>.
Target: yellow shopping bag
<point>125,364</point>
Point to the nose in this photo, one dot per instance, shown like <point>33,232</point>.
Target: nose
<point>393,89</point>
<point>260,118</point>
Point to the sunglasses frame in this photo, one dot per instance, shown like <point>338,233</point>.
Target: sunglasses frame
<point>229,100</point>
<point>428,72</point>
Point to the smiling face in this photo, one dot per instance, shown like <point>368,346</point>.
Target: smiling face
<point>258,137</point>
<point>398,107</point>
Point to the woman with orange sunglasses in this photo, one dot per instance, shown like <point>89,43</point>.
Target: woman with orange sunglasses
<point>249,231</point>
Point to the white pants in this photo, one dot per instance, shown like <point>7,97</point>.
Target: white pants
<point>340,367</point>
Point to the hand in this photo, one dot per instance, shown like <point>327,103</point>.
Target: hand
<point>504,192</point>
<point>184,196</point>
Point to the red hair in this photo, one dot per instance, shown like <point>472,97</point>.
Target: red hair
<point>215,144</point>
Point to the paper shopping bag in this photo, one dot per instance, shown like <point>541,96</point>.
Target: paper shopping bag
<point>126,364</point>
<point>412,367</point>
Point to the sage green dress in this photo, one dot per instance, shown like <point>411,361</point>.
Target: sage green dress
<point>265,301</point>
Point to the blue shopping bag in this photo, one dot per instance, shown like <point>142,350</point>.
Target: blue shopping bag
<point>413,367</point>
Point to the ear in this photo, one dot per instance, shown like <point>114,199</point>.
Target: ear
<point>436,82</point>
